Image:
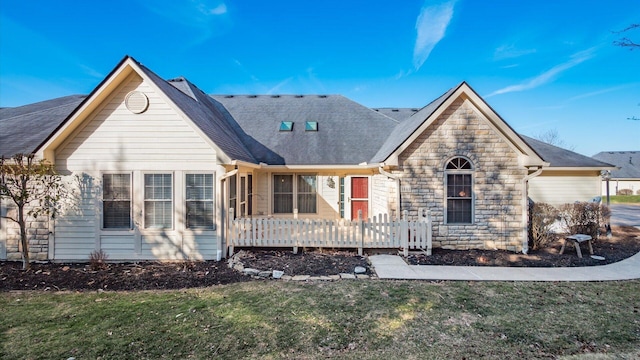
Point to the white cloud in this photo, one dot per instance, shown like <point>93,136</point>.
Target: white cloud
<point>275,89</point>
<point>510,51</point>
<point>431,26</point>
<point>598,92</point>
<point>208,17</point>
<point>548,75</point>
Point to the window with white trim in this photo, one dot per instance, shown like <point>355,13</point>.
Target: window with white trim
<point>289,195</point>
<point>307,189</point>
<point>459,185</point>
<point>158,201</point>
<point>116,201</point>
<point>199,201</point>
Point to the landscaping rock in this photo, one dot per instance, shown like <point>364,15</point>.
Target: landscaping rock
<point>347,276</point>
<point>277,274</point>
<point>264,274</point>
<point>360,270</point>
<point>300,278</point>
<point>250,271</point>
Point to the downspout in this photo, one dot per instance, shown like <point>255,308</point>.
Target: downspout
<point>398,198</point>
<point>525,209</point>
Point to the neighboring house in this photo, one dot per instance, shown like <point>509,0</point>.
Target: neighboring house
<point>156,165</point>
<point>627,174</point>
<point>570,177</point>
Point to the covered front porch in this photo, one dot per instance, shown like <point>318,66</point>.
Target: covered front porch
<point>304,207</point>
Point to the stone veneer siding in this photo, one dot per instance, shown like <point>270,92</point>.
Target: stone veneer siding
<point>37,234</point>
<point>497,180</point>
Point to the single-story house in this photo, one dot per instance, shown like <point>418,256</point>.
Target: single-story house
<point>627,174</point>
<point>155,166</point>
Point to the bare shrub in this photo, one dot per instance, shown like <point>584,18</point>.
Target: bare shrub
<point>584,218</point>
<point>625,192</point>
<point>98,260</point>
<point>541,219</point>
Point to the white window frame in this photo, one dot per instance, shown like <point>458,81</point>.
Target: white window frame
<point>213,200</point>
<point>131,200</point>
<point>470,172</point>
<point>144,201</point>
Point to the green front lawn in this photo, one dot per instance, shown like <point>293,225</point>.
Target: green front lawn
<point>622,199</point>
<point>345,319</point>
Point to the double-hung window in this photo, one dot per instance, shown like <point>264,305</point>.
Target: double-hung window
<point>307,185</point>
<point>289,195</point>
<point>158,201</point>
<point>282,194</point>
<point>199,201</point>
<point>116,201</point>
<point>459,184</point>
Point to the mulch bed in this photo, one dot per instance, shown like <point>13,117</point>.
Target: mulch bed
<point>304,263</point>
<point>624,243</point>
<point>160,276</point>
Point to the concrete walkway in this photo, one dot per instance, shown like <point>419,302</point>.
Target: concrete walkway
<point>394,267</point>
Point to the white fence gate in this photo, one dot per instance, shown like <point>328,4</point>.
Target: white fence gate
<point>376,233</point>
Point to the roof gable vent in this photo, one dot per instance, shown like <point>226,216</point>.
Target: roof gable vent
<point>136,102</point>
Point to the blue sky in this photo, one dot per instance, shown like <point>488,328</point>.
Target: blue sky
<point>545,65</point>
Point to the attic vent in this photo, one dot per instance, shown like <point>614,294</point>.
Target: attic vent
<point>395,110</point>
<point>229,96</point>
<point>275,96</point>
<point>286,126</point>
<point>299,96</point>
<point>252,96</point>
<point>136,102</point>
<point>322,96</point>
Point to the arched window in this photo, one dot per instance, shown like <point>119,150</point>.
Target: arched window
<point>459,185</point>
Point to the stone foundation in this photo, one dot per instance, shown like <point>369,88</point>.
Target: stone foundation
<point>37,235</point>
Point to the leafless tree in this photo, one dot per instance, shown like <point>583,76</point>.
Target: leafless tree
<point>625,41</point>
<point>552,137</point>
<point>33,187</point>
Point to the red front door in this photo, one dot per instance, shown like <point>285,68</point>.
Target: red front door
<point>359,197</point>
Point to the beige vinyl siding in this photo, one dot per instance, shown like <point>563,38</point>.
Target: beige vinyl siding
<point>381,190</point>
<point>74,235</point>
<point>157,141</point>
<point>119,247</point>
<point>115,138</point>
<point>328,207</point>
<point>563,188</point>
<point>327,198</point>
<point>199,247</point>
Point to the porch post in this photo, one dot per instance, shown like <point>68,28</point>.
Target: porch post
<point>361,228</point>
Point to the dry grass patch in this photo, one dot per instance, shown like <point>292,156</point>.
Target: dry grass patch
<point>346,319</point>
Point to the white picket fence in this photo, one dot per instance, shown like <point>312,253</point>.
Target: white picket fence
<point>378,232</point>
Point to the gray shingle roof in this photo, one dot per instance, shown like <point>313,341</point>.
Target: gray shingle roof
<point>246,127</point>
<point>408,126</point>
<point>348,133</point>
<point>23,128</point>
<point>559,157</point>
<point>627,161</point>
<point>399,114</point>
<point>196,105</point>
